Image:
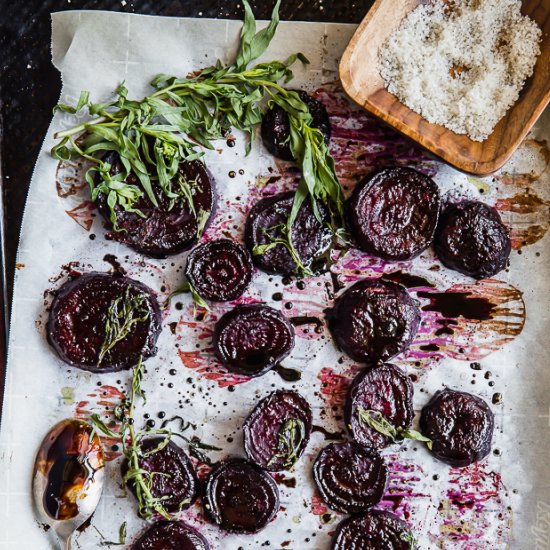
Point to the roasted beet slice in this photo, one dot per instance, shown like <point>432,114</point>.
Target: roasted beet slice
<point>277,431</point>
<point>240,497</point>
<point>376,530</point>
<point>472,239</point>
<point>171,535</point>
<point>311,239</point>
<point>460,426</point>
<point>179,485</point>
<point>219,270</point>
<point>168,228</point>
<point>386,390</point>
<point>87,320</point>
<point>393,213</point>
<point>374,320</point>
<point>251,339</point>
<point>276,126</point>
<point>350,478</point>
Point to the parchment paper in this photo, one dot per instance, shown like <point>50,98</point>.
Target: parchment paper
<point>502,502</point>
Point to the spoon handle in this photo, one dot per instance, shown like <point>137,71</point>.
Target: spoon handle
<point>65,543</point>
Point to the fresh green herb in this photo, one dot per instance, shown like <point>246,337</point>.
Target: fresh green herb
<point>290,438</point>
<point>185,288</point>
<point>409,537</point>
<point>376,421</point>
<point>121,537</point>
<point>125,311</point>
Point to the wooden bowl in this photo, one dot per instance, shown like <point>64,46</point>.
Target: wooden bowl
<point>363,83</point>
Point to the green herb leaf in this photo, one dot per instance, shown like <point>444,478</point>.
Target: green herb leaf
<point>409,537</point>
<point>185,288</point>
<point>82,101</point>
<point>290,438</point>
<point>121,537</point>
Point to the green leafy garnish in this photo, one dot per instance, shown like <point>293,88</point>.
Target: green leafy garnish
<point>409,537</point>
<point>185,288</point>
<point>376,421</point>
<point>125,311</point>
<point>121,537</point>
<point>290,438</point>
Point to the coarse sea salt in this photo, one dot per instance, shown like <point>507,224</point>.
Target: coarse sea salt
<point>461,64</point>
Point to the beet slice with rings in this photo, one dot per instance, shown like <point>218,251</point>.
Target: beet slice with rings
<point>168,228</point>
<point>311,239</point>
<point>251,339</point>
<point>240,497</point>
<point>374,320</point>
<point>276,126</point>
<point>350,477</point>
<point>87,317</point>
<point>219,270</point>
<point>460,426</point>
<point>376,530</point>
<point>385,389</point>
<point>472,239</point>
<point>277,431</point>
<point>179,487</point>
<point>171,535</point>
<point>394,212</point>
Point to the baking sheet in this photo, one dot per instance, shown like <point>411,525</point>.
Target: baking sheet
<point>502,502</point>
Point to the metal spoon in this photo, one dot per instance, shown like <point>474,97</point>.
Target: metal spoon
<point>68,477</point>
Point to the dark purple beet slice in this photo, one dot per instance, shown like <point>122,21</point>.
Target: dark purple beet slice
<point>472,239</point>
<point>276,432</point>
<point>219,270</point>
<point>376,530</point>
<point>76,326</point>
<point>276,126</point>
<point>311,239</point>
<point>460,426</point>
<point>164,230</point>
<point>180,486</point>
<point>171,535</point>
<point>385,389</point>
<point>393,213</point>
<point>251,339</point>
<point>350,478</point>
<point>240,497</point>
<point>374,320</point>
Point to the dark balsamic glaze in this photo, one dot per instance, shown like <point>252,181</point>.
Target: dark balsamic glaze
<point>301,320</point>
<point>407,280</point>
<point>288,375</point>
<point>459,304</point>
<point>329,436</point>
<point>113,260</point>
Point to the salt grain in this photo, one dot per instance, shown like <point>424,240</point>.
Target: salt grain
<point>461,64</point>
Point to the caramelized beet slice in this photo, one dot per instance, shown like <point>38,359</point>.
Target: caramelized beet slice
<point>170,535</point>
<point>251,339</point>
<point>311,239</point>
<point>167,228</point>
<point>219,270</point>
<point>277,431</point>
<point>240,497</point>
<point>350,478</point>
<point>460,426</point>
<point>376,530</point>
<point>78,322</point>
<point>374,320</point>
<point>179,488</point>
<point>386,390</point>
<point>393,213</point>
<point>472,239</point>
<point>276,126</point>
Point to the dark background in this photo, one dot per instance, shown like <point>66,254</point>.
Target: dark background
<point>30,85</point>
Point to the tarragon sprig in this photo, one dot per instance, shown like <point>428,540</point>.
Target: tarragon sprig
<point>290,438</point>
<point>377,421</point>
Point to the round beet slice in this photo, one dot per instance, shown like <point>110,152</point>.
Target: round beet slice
<point>393,213</point>
<point>251,339</point>
<point>385,389</point>
<point>168,228</point>
<point>350,478</point>
<point>179,488</point>
<point>86,322</point>
<point>277,431</point>
<point>374,320</point>
<point>219,270</point>
<point>376,530</point>
<point>240,497</point>
<point>472,239</point>
<point>171,535</point>
<point>276,126</point>
<point>311,239</point>
<point>460,426</point>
